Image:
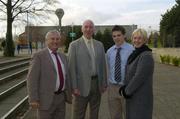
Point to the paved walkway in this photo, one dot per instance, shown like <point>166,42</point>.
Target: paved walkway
<point>166,92</point>
<point>166,95</point>
<point>22,53</point>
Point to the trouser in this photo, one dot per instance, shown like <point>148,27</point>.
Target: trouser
<point>116,102</point>
<point>93,99</point>
<point>56,110</point>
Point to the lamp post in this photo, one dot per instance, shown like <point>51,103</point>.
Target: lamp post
<point>72,26</point>
<point>59,12</point>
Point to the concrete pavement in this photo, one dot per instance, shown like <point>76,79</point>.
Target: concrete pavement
<point>166,95</point>
<point>166,92</point>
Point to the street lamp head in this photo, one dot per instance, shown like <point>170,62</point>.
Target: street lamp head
<point>59,12</point>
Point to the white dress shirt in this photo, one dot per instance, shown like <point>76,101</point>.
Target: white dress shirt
<point>56,67</point>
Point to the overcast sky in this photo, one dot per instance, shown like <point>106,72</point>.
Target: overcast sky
<point>144,13</point>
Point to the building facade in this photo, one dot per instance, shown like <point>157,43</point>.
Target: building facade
<point>36,34</point>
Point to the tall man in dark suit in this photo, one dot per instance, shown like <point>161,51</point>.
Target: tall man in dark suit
<point>88,72</point>
<point>48,79</point>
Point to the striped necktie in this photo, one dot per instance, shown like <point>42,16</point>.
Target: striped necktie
<point>117,73</point>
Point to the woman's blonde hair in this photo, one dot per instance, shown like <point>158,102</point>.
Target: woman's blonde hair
<point>140,32</point>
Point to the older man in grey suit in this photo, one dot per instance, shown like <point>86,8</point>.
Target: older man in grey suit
<point>88,72</point>
<point>48,79</point>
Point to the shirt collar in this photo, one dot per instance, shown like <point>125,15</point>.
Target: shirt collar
<point>121,46</point>
<point>87,40</point>
<point>50,51</point>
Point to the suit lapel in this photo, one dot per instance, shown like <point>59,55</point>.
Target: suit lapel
<point>49,60</point>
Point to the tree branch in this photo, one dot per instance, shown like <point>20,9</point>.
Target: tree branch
<point>16,3</point>
<point>3,2</point>
<point>29,5</point>
<point>18,6</point>
<point>23,10</point>
<point>16,15</point>
<point>2,10</point>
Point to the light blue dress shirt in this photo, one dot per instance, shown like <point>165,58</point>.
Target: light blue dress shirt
<point>126,50</point>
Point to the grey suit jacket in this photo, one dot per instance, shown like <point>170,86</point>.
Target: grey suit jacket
<point>41,78</point>
<point>79,65</point>
<point>138,81</point>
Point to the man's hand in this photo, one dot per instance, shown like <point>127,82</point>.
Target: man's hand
<point>76,92</point>
<point>34,105</point>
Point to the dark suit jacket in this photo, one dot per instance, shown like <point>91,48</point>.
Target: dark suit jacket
<point>41,79</point>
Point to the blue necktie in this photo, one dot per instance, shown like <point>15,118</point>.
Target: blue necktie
<point>117,73</point>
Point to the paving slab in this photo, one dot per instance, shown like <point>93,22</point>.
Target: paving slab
<point>166,95</point>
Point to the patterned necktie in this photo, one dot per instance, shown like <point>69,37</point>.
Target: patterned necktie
<point>61,78</point>
<point>90,49</point>
<point>91,52</point>
<point>117,73</point>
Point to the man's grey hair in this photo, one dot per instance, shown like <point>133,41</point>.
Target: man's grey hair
<point>88,20</point>
<point>50,32</point>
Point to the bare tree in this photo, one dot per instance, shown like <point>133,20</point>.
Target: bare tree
<point>15,9</point>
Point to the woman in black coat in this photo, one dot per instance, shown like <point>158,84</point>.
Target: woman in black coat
<point>139,79</point>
